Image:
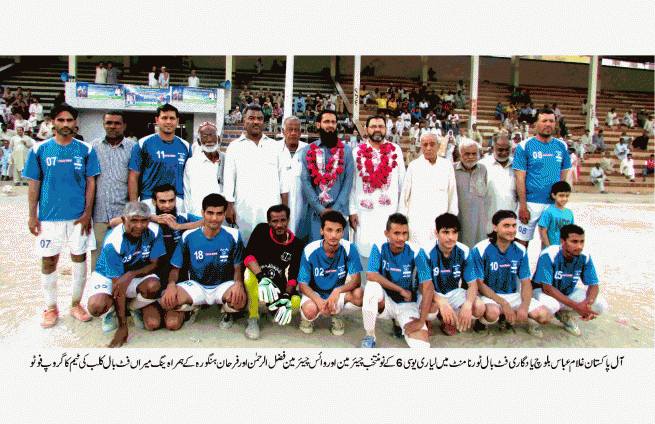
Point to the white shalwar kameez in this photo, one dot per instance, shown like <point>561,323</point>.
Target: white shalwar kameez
<point>428,191</point>
<point>373,208</point>
<point>254,178</point>
<point>295,190</point>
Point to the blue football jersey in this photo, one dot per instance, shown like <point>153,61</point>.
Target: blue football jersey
<point>323,274</point>
<point>447,273</point>
<point>210,262</point>
<point>62,172</point>
<point>500,270</point>
<point>160,162</point>
<point>120,254</point>
<point>399,269</point>
<point>553,269</point>
<point>543,163</point>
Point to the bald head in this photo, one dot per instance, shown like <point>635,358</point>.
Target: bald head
<point>502,148</point>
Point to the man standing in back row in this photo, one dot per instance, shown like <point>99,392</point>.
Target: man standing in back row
<point>159,159</point>
<point>254,174</point>
<point>539,163</point>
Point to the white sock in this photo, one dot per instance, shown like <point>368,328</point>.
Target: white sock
<point>111,309</point>
<point>79,280</point>
<point>49,288</point>
<point>417,344</point>
<point>372,296</point>
<point>139,302</point>
<point>485,322</point>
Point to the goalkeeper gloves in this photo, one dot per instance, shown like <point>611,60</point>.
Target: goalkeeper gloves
<point>283,307</point>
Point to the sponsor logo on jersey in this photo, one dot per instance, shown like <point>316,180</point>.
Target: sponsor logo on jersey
<point>515,267</point>
<point>180,157</point>
<point>286,256</point>
<point>77,162</point>
<point>407,270</point>
<point>456,271</point>
<point>342,271</point>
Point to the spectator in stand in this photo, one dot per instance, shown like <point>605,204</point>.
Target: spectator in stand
<point>267,110</point>
<point>500,130</point>
<point>392,105</point>
<point>574,172</point>
<point>584,107</point>
<point>649,126</point>
<point>627,167</point>
<point>641,142</point>
<point>299,105</point>
<point>599,141</point>
<point>607,163</point>
<point>382,103</point>
<point>453,124</point>
<point>59,99</point>
<point>558,112</point>
<point>349,125</point>
<point>611,119</point>
<point>259,65</point>
<point>153,77</point>
<point>112,73</point>
<point>415,131</point>
<point>416,115</point>
<point>45,129</point>
<point>621,149</point>
<point>475,135</point>
<point>310,118</point>
<point>629,119</point>
<point>101,73</point>
<point>407,119</point>
<point>19,121</point>
<point>36,110</point>
<point>650,167</point>
<point>586,145</point>
<point>597,177</point>
<point>424,106</point>
<point>499,112</point>
<point>460,100</point>
<point>164,78</point>
<point>194,81</point>
<point>450,97</point>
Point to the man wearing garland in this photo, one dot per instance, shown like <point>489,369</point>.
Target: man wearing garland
<point>376,188</point>
<point>326,178</point>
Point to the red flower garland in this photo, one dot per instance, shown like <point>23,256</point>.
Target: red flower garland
<point>331,172</point>
<point>375,178</point>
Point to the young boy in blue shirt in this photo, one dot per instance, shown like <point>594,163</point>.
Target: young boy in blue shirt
<point>556,216</point>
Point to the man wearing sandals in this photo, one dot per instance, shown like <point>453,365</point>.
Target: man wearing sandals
<point>62,175</point>
<point>126,269</point>
<point>450,263</point>
<point>559,268</point>
<point>213,256</point>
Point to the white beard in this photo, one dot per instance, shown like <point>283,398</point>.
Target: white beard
<point>208,149</point>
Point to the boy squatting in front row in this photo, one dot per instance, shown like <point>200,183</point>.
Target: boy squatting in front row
<point>328,277</point>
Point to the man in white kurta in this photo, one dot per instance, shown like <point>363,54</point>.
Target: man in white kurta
<point>501,180</point>
<point>291,131</point>
<point>428,191</point>
<point>627,167</point>
<point>203,172</point>
<point>20,145</point>
<point>371,203</point>
<point>254,174</point>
